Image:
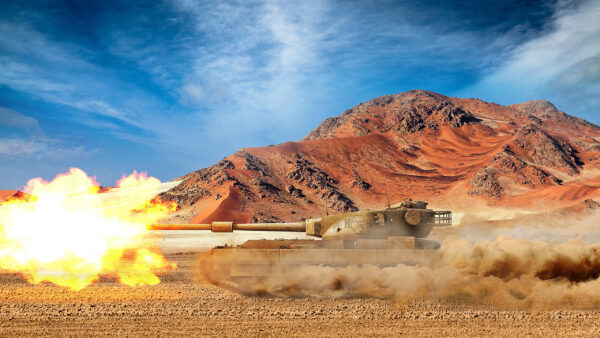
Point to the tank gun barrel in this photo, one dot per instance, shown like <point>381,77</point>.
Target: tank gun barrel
<point>292,226</point>
<point>178,227</point>
<point>230,226</point>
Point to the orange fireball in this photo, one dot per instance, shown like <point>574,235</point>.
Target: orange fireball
<point>70,234</point>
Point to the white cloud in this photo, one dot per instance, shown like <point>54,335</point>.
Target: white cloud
<point>558,59</point>
<point>17,146</point>
<point>41,149</point>
<point>253,76</point>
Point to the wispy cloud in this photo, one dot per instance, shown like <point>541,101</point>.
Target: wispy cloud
<point>256,73</point>
<point>41,149</point>
<point>13,119</point>
<point>20,147</point>
<point>58,72</point>
<point>28,139</point>
<point>270,71</point>
<point>577,87</point>
<point>561,65</point>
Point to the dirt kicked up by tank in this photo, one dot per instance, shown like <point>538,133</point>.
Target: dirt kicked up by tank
<point>385,237</point>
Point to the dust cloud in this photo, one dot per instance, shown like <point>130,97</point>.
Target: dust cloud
<point>527,261</point>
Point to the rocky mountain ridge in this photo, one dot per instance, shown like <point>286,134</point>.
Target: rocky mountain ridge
<point>455,153</point>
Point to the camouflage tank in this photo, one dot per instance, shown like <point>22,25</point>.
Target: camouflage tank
<point>385,237</point>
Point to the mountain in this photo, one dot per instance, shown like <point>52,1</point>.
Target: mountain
<point>458,154</point>
<point>6,195</point>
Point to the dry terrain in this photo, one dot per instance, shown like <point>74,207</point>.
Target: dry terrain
<point>183,305</point>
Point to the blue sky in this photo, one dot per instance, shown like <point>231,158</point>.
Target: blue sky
<point>172,86</point>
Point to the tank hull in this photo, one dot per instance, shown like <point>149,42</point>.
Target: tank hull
<point>244,269</point>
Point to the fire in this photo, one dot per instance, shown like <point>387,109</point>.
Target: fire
<point>69,233</point>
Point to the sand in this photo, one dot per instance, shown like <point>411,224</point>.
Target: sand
<point>184,305</point>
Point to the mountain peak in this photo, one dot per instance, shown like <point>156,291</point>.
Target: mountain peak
<point>407,112</point>
<point>537,108</point>
<point>542,110</point>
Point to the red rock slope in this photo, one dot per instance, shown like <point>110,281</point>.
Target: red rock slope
<point>6,195</point>
<point>456,153</point>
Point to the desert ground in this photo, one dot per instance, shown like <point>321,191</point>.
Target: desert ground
<point>185,305</point>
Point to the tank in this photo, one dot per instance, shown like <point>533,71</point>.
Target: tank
<point>384,237</point>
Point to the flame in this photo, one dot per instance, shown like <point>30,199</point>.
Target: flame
<point>69,233</point>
